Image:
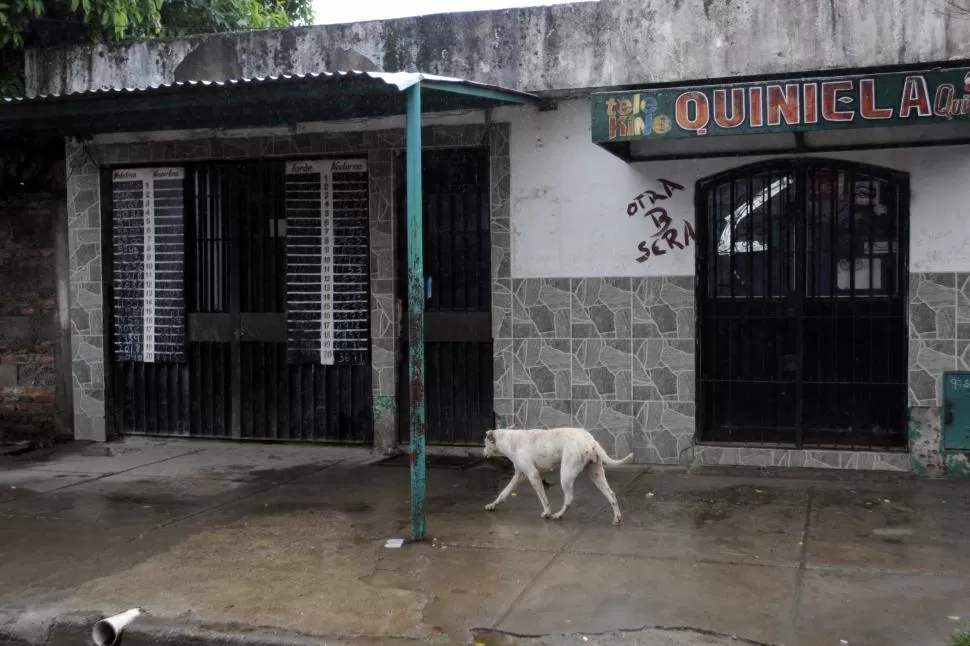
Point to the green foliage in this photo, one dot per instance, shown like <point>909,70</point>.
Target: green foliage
<point>15,19</point>
<point>182,17</point>
<point>59,23</point>
<point>960,639</point>
<point>46,23</point>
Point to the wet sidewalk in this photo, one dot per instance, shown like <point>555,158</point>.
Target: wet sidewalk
<point>276,544</point>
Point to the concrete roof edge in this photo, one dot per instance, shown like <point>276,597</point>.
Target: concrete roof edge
<point>401,20</point>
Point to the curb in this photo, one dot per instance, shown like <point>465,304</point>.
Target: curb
<point>74,629</point>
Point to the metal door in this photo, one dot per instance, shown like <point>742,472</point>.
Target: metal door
<point>242,376</point>
<point>458,318</point>
<point>956,411</point>
<point>801,306</point>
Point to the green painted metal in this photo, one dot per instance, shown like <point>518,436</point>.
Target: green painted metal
<point>416,313</point>
<point>787,105</point>
<point>475,91</point>
<point>956,411</point>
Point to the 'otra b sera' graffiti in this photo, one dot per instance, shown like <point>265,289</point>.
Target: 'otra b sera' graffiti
<point>666,237</point>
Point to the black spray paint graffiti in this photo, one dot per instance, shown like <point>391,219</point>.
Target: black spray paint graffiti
<point>666,237</point>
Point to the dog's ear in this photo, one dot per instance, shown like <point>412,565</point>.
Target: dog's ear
<point>489,436</point>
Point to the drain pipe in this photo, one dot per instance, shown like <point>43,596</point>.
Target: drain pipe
<point>107,632</point>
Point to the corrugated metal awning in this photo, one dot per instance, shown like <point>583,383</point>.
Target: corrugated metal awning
<point>275,100</point>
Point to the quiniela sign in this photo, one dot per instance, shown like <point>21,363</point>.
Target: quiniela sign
<point>936,96</point>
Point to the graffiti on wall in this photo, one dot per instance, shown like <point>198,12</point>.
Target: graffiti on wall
<point>667,237</point>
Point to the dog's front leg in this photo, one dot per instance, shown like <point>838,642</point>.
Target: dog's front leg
<point>536,480</point>
<point>509,488</point>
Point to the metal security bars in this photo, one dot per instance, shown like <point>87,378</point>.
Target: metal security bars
<point>145,212</point>
<point>801,306</point>
<point>458,356</point>
<point>239,378</point>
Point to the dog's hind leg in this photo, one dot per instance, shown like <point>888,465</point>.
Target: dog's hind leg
<point>536,481</point>
<point>567,476</point>
<point>598,475</point>
<point>509,488</point>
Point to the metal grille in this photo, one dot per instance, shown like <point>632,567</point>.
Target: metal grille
<point>302,401</point>
<point>148,378</point>
<point>151,398</point>
<point>214,199</point>
<point>802,330</point>
<point>458,320</point>
<point>210,237</point>
<point>239,379</point>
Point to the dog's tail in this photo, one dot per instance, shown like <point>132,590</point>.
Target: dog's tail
<point>607,460</point>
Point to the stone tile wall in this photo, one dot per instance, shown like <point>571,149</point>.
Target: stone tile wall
<point>86,295</point>
<point>939,341</point>
<point>939,332</point>
<point>614,355</point>
<point>379,147</point>
<point>617,355</point>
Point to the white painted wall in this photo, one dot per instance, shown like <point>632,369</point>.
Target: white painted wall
<point>570,197</point>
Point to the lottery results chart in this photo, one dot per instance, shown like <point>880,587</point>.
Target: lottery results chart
<point>148,264</point>
<point>327,275</point>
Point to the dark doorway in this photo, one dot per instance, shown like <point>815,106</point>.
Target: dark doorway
<point>802,288</point>
<point>253,258</point>
<point>458,316</point>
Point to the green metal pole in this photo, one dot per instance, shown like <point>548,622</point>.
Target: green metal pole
<point>416,296</point>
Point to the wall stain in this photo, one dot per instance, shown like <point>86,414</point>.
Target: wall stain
<point>215,59</point>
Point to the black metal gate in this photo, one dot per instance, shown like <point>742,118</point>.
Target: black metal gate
<point>802,288</point>
<point>245,374</point>
<point>458,316</point>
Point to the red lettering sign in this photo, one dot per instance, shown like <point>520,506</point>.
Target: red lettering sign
<point>811,102</point>
<point>915,97</point>
<point>618,127</point>
<point>736,117</point>
<point>788,105</point>
<point>941,103</point>
<point>830,97</point>
<point>701,112</point>
<point>867,102</point>
<point>757,111</point>
<point>783,104</point>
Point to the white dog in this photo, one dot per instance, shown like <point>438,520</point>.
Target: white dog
<point>535,451</point>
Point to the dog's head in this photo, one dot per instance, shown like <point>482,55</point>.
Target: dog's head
<point>491,448</point>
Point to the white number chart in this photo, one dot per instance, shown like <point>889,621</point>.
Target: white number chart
<point>316,216</point>
<point>148,264</point>
<point>326,271</point>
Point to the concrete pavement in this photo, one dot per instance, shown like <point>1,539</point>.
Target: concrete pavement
<point>273,544</point>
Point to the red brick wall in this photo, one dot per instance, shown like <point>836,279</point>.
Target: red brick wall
<point>28,323</point>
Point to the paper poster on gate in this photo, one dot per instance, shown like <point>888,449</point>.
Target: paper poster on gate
<point>148,257</point>
<point>317,315</point>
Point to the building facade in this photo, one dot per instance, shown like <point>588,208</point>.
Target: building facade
<point>751,251</point>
